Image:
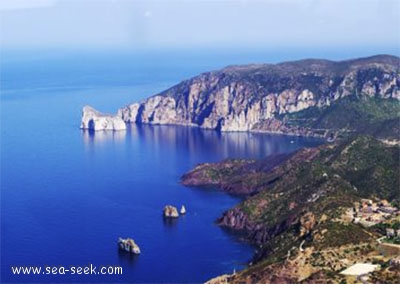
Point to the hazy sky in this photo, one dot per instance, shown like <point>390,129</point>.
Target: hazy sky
<point>132,24</point>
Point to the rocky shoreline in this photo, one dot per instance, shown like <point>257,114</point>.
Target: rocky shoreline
<point>257,97</point>
<point>242,176</point>
<point>249,177</point>
<point>293,207</point>
<point>302,98</point>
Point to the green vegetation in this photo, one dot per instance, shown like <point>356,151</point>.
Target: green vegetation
<point>323,182</point>
<point>341,234</point>
<point>371,167</point>
<point>364,115</point>
<point>381,229</point>
<point>320,183</point>
<point>358,168</point>
<point>395,240</point>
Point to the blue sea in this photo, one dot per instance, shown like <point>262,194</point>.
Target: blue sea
<point>67,195</point>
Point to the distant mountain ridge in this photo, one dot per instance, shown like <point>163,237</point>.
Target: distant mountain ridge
<point>261,97</point>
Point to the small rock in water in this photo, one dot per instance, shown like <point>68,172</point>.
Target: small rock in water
<point>170,212</point>
<point>128,245</point>
<point>183,210</point>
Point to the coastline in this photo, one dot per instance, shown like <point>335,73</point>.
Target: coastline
<point>308,219</point>
<point>309,133</point>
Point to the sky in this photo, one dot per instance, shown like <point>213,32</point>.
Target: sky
<point>141,25</point>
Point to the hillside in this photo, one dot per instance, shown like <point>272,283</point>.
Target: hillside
<point>278,98</point>
<point>371,116</point>
<point>297,214</point>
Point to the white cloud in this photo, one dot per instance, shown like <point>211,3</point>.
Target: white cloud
<point>7,5</point>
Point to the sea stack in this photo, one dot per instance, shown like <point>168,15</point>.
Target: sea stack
<point>128,245</point>
<point>170,212</point>
<point>95,120</point>
<point>183,210</point>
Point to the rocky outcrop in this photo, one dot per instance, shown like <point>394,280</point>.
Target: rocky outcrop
<point>223,279</point>
<point>170,212</point>
<point>215,175</point>
<point>128,245</point>
<point>254,97</point>
<point>95,120</point>
<point>257,233</point>
<point>307,223</point>
<point>246,177</point>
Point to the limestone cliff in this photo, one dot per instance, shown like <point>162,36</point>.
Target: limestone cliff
<point>255,97</point>
<point>94,120</point>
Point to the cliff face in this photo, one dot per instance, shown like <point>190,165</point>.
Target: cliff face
<point>94,120</point>
<point>254,97</point>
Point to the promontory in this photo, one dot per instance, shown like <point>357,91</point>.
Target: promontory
<point>311,97</point>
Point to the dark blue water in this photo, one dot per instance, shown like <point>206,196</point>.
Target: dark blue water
<point>67,195</point>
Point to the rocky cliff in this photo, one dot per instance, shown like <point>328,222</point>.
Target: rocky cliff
<point>294,212</point>
<point>256,97</point>
<point>280,192</point>
<point>95,120</point>
<point>235,176</point>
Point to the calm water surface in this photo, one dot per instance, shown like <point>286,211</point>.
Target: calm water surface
<point>67,195</point>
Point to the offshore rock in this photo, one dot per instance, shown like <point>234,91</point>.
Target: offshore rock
<point>170,212</point>
<point>95,120</point>
<point>128,245</point>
